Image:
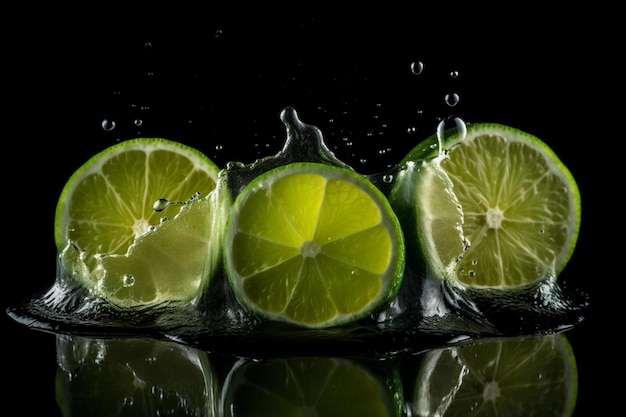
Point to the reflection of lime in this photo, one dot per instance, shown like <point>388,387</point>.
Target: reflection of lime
<point>531,376</point>
<point>311,386</point>
<point>497,208</point>
<point>133,377</point>
<point>110,222</point>
<point>314,245</point>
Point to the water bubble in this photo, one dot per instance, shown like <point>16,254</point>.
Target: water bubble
<point>128,280</point>
<point>138,122</point>
<point>219,147</point>
<point>161,204</point>
<point>454,74</point>
<point>219,33</point>
<point>452,99</point>
<point>108,125</point>
<point>388,178</point>
<point>417,67</point>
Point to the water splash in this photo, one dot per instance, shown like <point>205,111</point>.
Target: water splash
<point>427,311</point>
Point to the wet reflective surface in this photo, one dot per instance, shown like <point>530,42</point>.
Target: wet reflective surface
<point>138,376</point>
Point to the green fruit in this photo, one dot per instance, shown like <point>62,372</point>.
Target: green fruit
<point>313,245</point>
<point>136,223</point>
<point>495,208</point>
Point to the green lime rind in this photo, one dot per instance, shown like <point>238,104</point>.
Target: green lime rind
<point>391,277</point>
<point>420,169</point>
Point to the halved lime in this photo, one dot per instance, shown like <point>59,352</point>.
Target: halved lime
<point>313,245</point>
<point>496,208</point>
<point>133,377</point>
<point>523,376</point>
<point>311,386</point>
<point>136,223</point>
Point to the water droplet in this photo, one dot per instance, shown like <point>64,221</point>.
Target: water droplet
<point>108,125</point>
<point>160,205</point>
<point>452,99</point>
<point>417,67</point>
<point>128,280</point>
<point>219,33</point>
<point>219,147</point>
<point>454,74</point>
<point>388,178</point>
<point>450,126</point>
<point>138,122</point>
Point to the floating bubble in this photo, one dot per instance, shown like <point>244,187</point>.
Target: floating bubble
<point>452,99</point>
<point>108,124</point>
<point>417,67</point>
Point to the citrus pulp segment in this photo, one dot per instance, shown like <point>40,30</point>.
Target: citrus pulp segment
<point>316,386</point>
<point>314,245</point>
<point>495,208</point>
<point>524,376</point>
<point>137,222</point>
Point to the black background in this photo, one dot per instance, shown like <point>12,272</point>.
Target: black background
<point>218,80</point>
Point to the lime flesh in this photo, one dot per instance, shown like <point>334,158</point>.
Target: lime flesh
<point>135,223</point>
<point>313,245</point>
<point>496,208</point>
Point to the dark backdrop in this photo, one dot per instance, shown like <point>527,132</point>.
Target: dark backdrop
<point>218,81</point>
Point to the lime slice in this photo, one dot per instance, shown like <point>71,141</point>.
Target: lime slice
<point>497,208</point>
<point>311,386</point>
<point>133,377</point>
<point>526,376</point>
<point>136,223</point>
<point>313,245</point>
